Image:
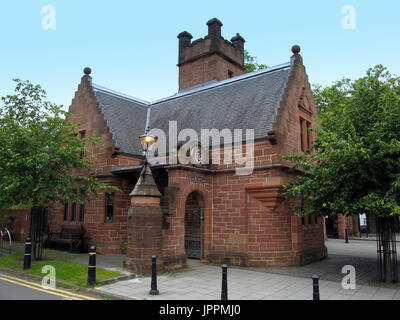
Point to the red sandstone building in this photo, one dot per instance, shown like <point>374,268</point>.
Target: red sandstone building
<point>208,212</point>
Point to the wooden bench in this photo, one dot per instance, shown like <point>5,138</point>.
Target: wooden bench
<point>71,235</point>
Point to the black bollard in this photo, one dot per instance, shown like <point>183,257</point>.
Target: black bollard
<point>92,267</point>
<point>28,253</point>
<point>224,291</point>
<point>346,236</point>
<point>315,279</point>
<point>154,290</point>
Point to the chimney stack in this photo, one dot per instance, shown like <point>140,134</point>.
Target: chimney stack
<point>185,39</point>
<point>211,58</point>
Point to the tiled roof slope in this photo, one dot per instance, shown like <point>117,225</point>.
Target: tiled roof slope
<point>125,117</point>
<point>245,102</point>
<point>250,102</point>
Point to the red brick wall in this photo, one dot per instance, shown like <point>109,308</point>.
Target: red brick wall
<point>297,102</point>
<point>201,64</point>
<point>208,68</point>
<point>246,217</point>
<point>238,225</point>
<point>347,222</point>
<point>181,185</point>
<point>107,236</point>
<point>19,223</point>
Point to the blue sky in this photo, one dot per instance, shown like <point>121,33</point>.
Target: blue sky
<point>132,46</point>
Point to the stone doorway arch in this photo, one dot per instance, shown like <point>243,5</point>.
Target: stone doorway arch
<point>194,226</point>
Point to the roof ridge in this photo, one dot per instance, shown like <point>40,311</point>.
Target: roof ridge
<point>194,90</point>
<point>223,82</point>
<point>119,94</point>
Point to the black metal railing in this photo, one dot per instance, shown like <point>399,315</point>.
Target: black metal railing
<point>386,249</point>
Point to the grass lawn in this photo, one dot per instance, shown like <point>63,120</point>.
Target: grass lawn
<point>66,271</point>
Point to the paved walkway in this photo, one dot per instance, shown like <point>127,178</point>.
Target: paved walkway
<point>203,282</point>
<point>358,253</point>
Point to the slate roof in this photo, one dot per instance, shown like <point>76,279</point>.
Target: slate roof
<point>250,101</point>
<point>125,116</point>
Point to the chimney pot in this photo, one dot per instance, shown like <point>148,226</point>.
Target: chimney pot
<point>214,28</point>
<point>185,39</point>
<point>238,42</point>
<point>185,34</point>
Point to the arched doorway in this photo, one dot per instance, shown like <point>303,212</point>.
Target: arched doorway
<point>194,217</point>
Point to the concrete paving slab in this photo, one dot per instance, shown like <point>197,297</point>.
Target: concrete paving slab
<point>248,285</point>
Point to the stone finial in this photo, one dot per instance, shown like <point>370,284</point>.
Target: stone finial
<point>238,37</point>
<point>185,34</point>
<point>238,42</point>
<point>87,71</point>
<point>214,27</point>
<point>214,21</point>
<point>296,49</point>
<point>185,39</point>
<point>146,186</point>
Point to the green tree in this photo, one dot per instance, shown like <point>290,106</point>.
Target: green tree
<point>251,64</point>
<point>38,151</point>
<point>354,164</point>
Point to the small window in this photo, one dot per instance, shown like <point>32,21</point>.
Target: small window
<point>230,74</point>
<point>82,205</point>
<point>109,207</point>
<point>302,134</point>
<point>82,135</point>
<point>302,221</point>
<point>73,211</point>
<point>65,210</point>
<point>305,134</point>
<point>316,220</point>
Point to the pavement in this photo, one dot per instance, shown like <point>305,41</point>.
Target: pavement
<point>358,253</point>
<point>203,281</point>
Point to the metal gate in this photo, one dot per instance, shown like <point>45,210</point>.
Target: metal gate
<point>38,230</point>
<point>194,233</point>
<point>386,247</point>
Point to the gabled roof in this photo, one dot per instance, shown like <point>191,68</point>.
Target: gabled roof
<point>245,102</point>
<point>125,116</point>
<point>250,101</point>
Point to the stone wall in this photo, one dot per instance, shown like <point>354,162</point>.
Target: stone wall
<point>209,58</point>
<point>107,236</point>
